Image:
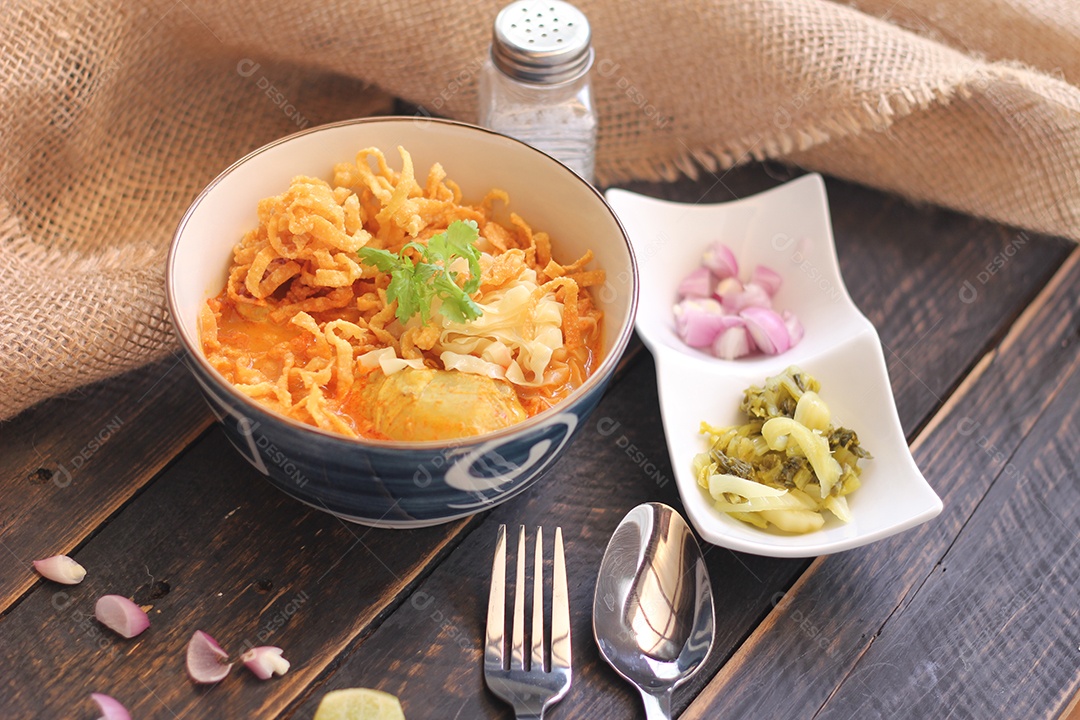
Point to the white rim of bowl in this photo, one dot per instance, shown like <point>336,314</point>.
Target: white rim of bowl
<point>195,351</point>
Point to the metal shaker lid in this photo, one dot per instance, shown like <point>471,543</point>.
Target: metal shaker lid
<point>545,42</point>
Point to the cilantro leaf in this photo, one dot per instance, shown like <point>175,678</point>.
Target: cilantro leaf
<point>456,304</point>
<point>383,260</point>
<point>458,241</point>
<point>416,285</point>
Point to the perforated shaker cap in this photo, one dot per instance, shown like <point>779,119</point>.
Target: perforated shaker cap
<point>542,42</point>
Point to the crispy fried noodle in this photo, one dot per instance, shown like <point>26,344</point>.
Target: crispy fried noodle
<point>305,327</point>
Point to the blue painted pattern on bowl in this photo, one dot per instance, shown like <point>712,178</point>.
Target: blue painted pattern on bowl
<point>390,487</point>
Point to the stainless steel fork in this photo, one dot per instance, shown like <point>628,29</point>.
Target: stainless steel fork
<point>524,682</point>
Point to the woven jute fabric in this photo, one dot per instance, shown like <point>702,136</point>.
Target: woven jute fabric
<point>113,116</point>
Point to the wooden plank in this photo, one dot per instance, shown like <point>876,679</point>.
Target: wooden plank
<point>70,462</point>
<point>428,651</point>
<point>818,632</point>
<point>996,623</point>
<point>209,546</point>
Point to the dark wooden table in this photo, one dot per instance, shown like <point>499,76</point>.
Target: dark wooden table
<point>972,615</point>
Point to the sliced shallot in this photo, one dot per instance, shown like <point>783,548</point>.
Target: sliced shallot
<point>726,290</point>
<point>206,661</point>
<point>697,284</point>
<point>699,321</point>
<point>749,295</point>
<point>738,319</point>
<point>110,707</point>
<point>121,615</point>
<point>794,327</point>
<point>767,278</point>
<point>61,569</point>
<point>732,343</point>
<point>264,661</point>
<point>767,329</point>
<point>721,261</point>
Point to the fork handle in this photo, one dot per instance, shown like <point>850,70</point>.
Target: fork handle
<point>658,706</point>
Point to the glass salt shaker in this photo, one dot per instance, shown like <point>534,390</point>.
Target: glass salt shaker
<point>535,84</point>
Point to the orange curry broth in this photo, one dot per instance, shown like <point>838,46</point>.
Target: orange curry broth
<point>265,342</point>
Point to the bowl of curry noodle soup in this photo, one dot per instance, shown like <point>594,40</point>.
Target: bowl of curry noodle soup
<point>401,321</point>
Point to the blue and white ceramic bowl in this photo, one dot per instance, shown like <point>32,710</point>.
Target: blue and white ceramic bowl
<point>387,483</point>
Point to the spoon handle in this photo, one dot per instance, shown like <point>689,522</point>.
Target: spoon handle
<point>657,707</point>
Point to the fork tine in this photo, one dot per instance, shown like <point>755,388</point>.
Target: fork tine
<point>537,660</point>
<point>496,620</point>
<point>560,609</point>
<point>517,647</point>
<point>530,691</point>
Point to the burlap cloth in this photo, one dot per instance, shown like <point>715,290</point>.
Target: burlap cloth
<point>114,117</point>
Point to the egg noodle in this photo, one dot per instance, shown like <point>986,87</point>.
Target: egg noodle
<point>303,322</point>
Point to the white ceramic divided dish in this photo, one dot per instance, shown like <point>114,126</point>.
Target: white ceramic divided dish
<point>788,229</point>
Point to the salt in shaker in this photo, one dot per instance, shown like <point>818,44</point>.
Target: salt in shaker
<point>535,84</point>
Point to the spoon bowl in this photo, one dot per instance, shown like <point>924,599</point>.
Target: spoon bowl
<point>653,608</point>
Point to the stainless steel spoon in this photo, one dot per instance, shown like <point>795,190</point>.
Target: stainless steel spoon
<point>653,608</point>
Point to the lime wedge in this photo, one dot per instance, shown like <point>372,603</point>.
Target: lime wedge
<point>359,704</point>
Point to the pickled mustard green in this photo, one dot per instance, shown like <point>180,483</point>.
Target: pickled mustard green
<point>798,462</point>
